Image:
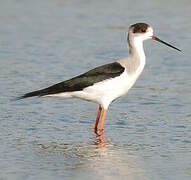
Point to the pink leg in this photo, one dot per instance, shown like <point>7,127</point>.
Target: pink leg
<point>102,121</point>
<point>97,119</point>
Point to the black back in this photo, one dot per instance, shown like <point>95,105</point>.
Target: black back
<point>82,81</point>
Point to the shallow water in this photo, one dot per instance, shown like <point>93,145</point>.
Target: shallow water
<point>147,132</point>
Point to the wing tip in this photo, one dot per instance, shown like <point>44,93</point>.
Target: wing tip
<point>28,95</point>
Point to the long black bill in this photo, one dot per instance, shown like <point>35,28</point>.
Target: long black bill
<point>157,39</point>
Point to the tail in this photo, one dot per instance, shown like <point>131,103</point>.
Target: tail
<point>31,94</point>
<point>54,89</point>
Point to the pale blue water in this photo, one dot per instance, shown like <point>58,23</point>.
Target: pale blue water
<point>147,132</point>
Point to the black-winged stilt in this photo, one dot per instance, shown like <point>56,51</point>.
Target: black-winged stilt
<point>106,83</point>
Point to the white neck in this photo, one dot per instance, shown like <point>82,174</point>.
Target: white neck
<point>136,48</point>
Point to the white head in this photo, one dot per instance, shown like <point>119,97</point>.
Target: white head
<point>141,31</point>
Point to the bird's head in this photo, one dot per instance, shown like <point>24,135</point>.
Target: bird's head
<point>142,32</point>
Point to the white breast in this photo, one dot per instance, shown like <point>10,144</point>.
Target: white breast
<point>108,90</point>
<point>105,92</point>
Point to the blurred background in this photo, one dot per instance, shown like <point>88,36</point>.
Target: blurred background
<point>147,132</point>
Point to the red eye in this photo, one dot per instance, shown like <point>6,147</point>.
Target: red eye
<point>143,30</point>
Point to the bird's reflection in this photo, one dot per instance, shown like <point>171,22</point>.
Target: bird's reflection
<point>100,140</point>
<point>99,158</point>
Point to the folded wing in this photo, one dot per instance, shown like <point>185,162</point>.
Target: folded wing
<point>82,81</point>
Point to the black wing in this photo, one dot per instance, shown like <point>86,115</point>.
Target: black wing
<point>82,81</point>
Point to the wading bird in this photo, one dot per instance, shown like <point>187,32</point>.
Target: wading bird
<point>106,83</point>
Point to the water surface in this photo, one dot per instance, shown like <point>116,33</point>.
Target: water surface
<point>147,132</point>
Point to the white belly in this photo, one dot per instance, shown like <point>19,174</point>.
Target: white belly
<point>105,92</point>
